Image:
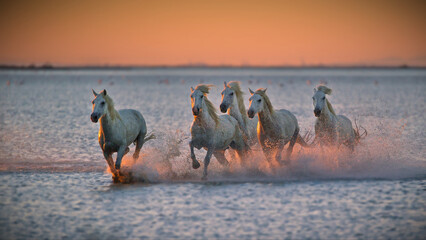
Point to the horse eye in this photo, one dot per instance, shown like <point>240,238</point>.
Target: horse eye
<point>323,98</point>
<point>232,93</point>
<point>202,96</point>
<point>259,100</point>
<point>102,103</point>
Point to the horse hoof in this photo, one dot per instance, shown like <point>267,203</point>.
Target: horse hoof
<point>285,163</point>
<point>116,179</point>
<point>195,165</point>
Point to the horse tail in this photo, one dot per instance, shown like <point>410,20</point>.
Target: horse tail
<point>150,136</point>
<point>301,140</point>
<point>358,135</point>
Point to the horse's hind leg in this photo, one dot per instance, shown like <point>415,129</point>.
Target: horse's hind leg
<point>291,145</point>
<point>280,146</point>
<point>351,145</point>
<point>139,143</point>
<point>220,156</point>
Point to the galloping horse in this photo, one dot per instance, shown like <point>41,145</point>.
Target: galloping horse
<point>233,102</point>
<point>275,127</point>
<point>212,132</point>
<point>332,129</point>
<point>118,129</point>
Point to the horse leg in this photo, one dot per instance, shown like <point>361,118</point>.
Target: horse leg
<point>207,161</point>
<point>280,146</point>
<point>110,161</point>
<point>139,144</point>
<point>240,148</point>
<point>267,151</point>
<point>291,145</point>
<point>220,156</point>
<point>120,154</point>
<point>195,163</point>
<point>351,145</point>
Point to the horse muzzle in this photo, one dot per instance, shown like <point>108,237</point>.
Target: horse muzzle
<point>195,111</point>
<point>223,108</point>
<point>250,113</point>
<point>317,112</point>
<point>94,118</point>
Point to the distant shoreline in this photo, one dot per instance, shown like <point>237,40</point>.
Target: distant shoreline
<point>136,67</point>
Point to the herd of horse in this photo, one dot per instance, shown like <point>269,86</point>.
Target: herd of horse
<point>239,129</point>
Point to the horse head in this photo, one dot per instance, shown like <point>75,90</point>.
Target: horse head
<point>99,106</point>
<point>197,101</point>
<point>319,99</point>
<point>256,102</point>
<point>228,95</point>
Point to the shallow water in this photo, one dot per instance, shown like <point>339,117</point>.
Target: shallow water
<point>87,205</point>
<point>65,191</point>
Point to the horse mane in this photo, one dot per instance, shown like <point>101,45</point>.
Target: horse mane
<point>112,112</point>
<point>325,89</point>
<point>330,108</point>
<point>210,107</point>
<point>268,103</point>
<point>234,85</point>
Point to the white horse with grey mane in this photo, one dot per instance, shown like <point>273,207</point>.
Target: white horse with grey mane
<point>275,127</point>
<point>118,129</point>
<point>212,132</point>
<point>233,103</point>
<point>332,129</point>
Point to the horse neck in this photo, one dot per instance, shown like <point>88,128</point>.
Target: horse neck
<point>234,111</point>
<point>266,118</point>
<point>326,115</point>
<point>107,122</point>
<point>204,119</point>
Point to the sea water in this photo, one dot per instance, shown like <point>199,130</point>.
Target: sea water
<point>55,183</point>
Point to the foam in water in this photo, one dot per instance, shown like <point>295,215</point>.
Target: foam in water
<point>380,155</point>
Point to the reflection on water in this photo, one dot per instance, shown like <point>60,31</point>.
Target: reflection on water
<point>88,205</point>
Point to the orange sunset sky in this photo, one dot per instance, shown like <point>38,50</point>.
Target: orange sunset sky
<point>213,32</point>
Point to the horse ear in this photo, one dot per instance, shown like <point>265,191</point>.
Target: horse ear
<point>224,84</point>
<point>94,93</point>
<point>192,89</point>
<point>315,90</point>
<point>251,91</point>
<point>104,92</point>
<point>265,89</point>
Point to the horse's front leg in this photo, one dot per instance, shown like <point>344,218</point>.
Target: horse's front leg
<point>110,161</point>
<point>267,151</point>
<point>207,161</point>
<point>120,154</point>
<point>195,163</point>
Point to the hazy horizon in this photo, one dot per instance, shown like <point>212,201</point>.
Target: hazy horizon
<point>213,33</point>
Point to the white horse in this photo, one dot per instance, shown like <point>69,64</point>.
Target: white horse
<point>233,102</point>
<point>275,127</point>
<point>212,132</point>
<point>118,129</point>
<point>332,129</point>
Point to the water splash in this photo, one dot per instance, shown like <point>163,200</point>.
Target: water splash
<point>378,156</point>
